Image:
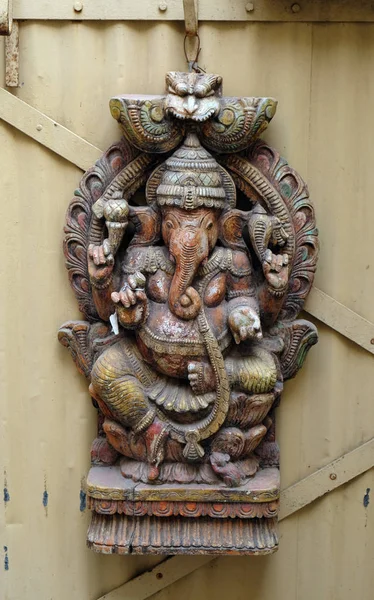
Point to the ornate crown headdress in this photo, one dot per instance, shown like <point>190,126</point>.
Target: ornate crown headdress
<point>191,178</point>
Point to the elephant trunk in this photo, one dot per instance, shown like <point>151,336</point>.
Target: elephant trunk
<point>189,249</point>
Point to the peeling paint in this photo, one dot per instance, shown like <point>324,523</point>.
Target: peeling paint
<point>82,501</point>
<point>6,491</point>
<point>45,496</point>
<point>6,559</point>
<point>366,499</point>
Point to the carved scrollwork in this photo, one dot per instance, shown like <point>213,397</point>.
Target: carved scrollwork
<point>121,168</point>
<point>266,178</point>
<point>145,124</point>
<point>241,510</point>
<point>239,122</point>
<point>85,342</point>
<point>298,336</point>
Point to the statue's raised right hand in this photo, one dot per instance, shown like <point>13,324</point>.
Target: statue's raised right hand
<point>100,262</point>
<point>131,301</point>
<point>132,292</point>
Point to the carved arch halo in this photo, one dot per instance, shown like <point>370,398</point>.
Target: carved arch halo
<point>265,177</point>
<point>260,173</point>
<point>121,168</point>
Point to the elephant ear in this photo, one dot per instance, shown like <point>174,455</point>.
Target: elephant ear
<point>147,222</point>
<point>231,225</point>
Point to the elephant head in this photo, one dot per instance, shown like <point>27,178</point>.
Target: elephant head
<point>191,189</point>
<point>190,236</point>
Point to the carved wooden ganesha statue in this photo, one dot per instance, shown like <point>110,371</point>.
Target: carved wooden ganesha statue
<point>191,246</point>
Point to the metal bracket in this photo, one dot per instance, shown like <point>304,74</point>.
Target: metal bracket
<point>190,17</point>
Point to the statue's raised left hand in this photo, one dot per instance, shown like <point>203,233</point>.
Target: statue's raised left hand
<point>245,324</point>
<point>276,270</point>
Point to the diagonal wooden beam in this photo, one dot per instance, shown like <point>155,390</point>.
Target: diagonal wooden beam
<point>166,573</point>
<point>342,319</point>
<point>47,132</point>
<point>326,479</point>
<point>293,498</point>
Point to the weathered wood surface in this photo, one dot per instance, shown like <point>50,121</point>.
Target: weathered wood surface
<point>294,498</point>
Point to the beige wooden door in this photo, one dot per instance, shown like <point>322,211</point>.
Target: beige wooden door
<point>54,126</point>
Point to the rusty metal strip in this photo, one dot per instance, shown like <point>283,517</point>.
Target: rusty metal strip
<point>47,132</point>
<point>294,498</point>
<point>12,57</point>
<point>172,10</point>
<point>6,17</point>
<point>342,319</point>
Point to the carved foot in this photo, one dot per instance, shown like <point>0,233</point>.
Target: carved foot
<point>103,453</point>
<point>201,377</point>
<point>268,454</point>
<point>155,440</point>
<point>226,470</point>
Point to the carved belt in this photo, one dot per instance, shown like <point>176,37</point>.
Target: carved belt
<point>185,347</point>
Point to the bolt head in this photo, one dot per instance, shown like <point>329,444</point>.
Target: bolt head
<point>295,8</point>
<point>249,7</point>
<point>162,6</point>
<point>333,476</point>
<point>78,6</point>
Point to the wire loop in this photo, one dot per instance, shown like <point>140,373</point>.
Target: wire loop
<point>192,54</point>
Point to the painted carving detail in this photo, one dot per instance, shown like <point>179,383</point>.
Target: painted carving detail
<point>191,297</point>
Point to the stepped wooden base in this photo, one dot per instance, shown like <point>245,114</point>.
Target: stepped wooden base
<point>136,518</point>
<point>120,534</point>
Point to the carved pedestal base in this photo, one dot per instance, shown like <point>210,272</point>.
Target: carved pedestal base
<point>119,534</point>
<point>137,518</point>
